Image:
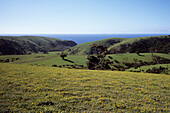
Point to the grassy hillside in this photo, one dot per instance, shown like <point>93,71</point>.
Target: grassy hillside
<point>84,49</point>
<point>159,44</point>
<point>34,89</point>
<point>10,45</point>
<point>48,60</point>
<point>70,60</point>
<point>129,57</point>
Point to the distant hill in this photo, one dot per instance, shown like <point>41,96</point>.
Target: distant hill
<point>13,45</point>
<point>84,49</point>
<point>156,44</point>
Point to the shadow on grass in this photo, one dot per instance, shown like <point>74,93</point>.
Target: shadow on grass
<point>68,60</point>
<point>140,55</point>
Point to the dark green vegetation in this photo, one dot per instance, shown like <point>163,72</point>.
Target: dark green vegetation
<point>159,44</point>
<point>97,61</point>
<point>85,49</point>
<point>47,89</point>
<point>10,45</point>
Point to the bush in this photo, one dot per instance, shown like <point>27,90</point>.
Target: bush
<point>63,56</point>
<point>157,70</point>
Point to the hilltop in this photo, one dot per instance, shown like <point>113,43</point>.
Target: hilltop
<point>84,49</point>
<point>156,44</point>
<point>13,45</point>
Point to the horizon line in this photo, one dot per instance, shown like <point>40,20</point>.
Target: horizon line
<point>71,33</point>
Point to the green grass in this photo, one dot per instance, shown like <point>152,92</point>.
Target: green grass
<point>79,59</point>
<point>76,59</point>
<point>46,89</point>
<point>24,58</point>
<point>128,57</point>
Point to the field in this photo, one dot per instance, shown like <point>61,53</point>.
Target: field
<point>50,89</point>
<point>47,60</point>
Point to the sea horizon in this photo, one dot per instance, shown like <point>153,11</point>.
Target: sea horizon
<point>83,38</point>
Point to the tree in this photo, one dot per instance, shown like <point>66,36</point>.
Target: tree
<point>96,60</point>
<point>63,56</point>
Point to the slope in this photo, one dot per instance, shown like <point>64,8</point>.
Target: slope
<point>46,89</point>
<point>31,44</point>
<point>156,44</point>
<point>84,49</point>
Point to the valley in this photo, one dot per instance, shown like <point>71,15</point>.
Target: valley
<point>135,81</point>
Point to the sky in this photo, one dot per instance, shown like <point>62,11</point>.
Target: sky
<point>84,16</point>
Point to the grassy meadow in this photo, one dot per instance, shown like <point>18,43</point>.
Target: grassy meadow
<point>31,84</point>
<point>50,89</point>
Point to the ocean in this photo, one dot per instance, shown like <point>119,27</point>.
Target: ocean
<point>82,38</point>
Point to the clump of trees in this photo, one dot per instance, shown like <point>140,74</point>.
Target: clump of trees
<point>97,60</point>
<point>155,60</point>
<point>158,70</point>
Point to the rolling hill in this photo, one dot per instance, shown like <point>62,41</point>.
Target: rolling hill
<point>157,44</point>
<point>84,49</point>
<point>12,45</point>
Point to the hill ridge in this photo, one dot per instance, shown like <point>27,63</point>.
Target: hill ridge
<point>152,44</point>
<point>84,48</point>
<point>10,45</point>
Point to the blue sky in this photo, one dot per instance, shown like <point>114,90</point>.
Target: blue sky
<point>84,16</point>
